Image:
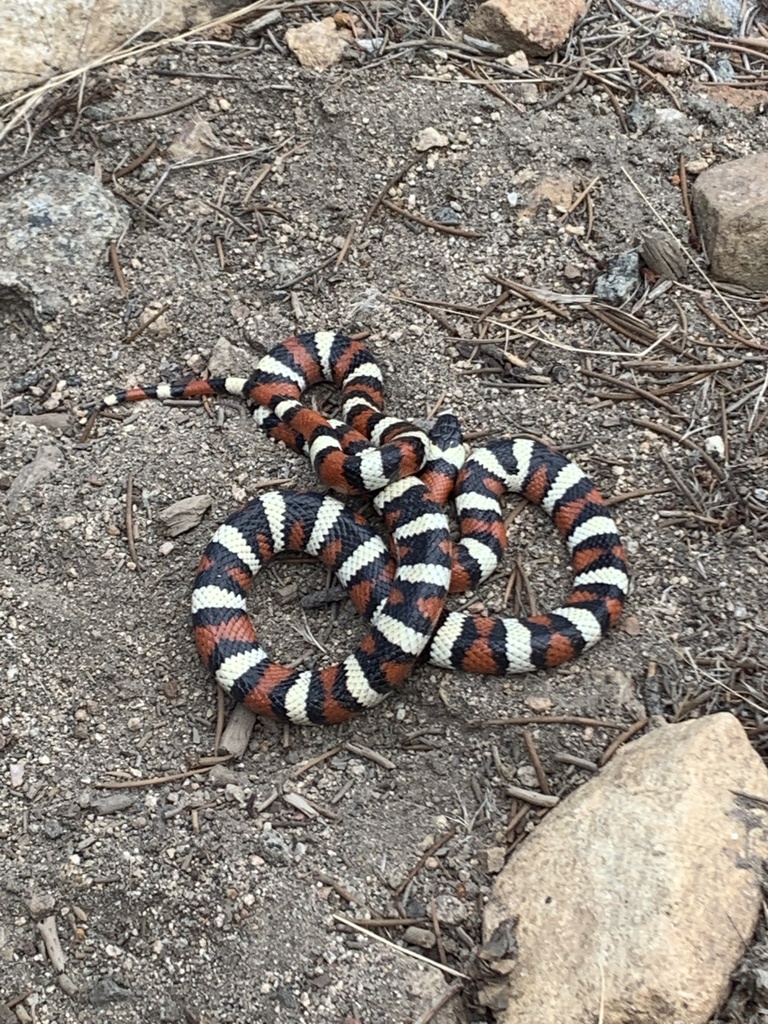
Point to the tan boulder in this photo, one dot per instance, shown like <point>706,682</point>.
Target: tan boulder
<point>636,896</point>
<point>730,201</point>
<point>535,26</point>
<point>39,39</point>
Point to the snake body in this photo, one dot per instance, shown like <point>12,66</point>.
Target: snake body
<point>410,475</point>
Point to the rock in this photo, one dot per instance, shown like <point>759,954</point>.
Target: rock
<point>635,898</point>
<point>421,937</point>
<point>53,233</point>
<point>743,99</point>
<point>56,422</point>
<point>64,34</point>
<point>228,359</point>
<point>195,139</point>
<point>318,44</point>
<point>274,849</point>
<point>41,905</point>
<point>185,514</point>
<point>730,201</point>
<point>705,13</point>
<point>112,803</point>
<point>535,26</point>
<point>106,990</point>
<point>45,463</point>
<point>429,138</point>
<point>669,62</point>
<point>715,18</point>
<point>620,280</point>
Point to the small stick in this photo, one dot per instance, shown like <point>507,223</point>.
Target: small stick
<point>577,762</point>
<point>659,428</point>
<point>514,821</point>
<point>682,486</point>
<point>313,762</point>
<point>144,115</point>
<point>641,492</point>
<point>345,247</point>
<point>400,949</point>
<point>396,178</point>
<point>372,755</point>
<point>387,922</point>
<point>533,754</point>
<point>438,844</point>
<point>640,392</point>
<point>121,172</point>
<point>154,780</point>
<point>142,327</point>
<point>530,796</point>
<point>438,935</point>
<point>114,259</point>
<point>129,521</point>
<point>627,735</point>
<point>339,889</point>
<point>686,198</point>
<point>447,229</point>
<point>596,723</point>
<point>49,932</point>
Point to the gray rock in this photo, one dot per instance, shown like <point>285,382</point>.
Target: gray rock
<point>53,233</point>
<point>112,803</point>
<point>274,848</point>
<point>620,280</point>
<point>29,477</point>
<point>106,990</point>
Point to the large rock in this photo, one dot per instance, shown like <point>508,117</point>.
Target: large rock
<point>53,233</point>
<point>535,26</point>
<point>640,891</point>
<point>38,38</point>
<point>730,201</point>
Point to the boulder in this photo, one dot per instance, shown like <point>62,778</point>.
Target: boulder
<point>635,898</point>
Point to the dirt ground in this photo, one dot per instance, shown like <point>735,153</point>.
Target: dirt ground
<point>211,896</point>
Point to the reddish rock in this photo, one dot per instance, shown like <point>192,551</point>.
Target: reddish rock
<point>535,26</point>
<point>635,898</point>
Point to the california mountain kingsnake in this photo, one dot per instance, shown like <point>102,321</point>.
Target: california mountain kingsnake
<point>410,475</point>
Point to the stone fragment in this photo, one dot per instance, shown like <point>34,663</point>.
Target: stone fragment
<point>106,990</point>
<point>730,201</point>
<point>421,937</point>
<point>41,905</point>
<point>669,62</point>
<point>620,280</point>
<point>56,422</point>
<point>185,514</point>
<point>195,139</point>
<point>429,138</point>
<point>715,18</point>
<point>45,463</point>
<point>228,359</point>
<point>53,233</point>
<point>112,803</point>
<point>492,860</point>
<point>635,898</point>
<point>65,34</point>
<point>743,99</point>
<point>318,44</point>
<point>535,26</point>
